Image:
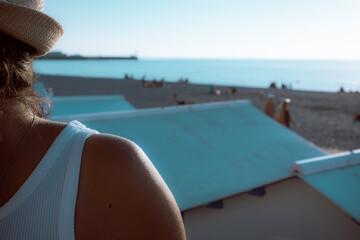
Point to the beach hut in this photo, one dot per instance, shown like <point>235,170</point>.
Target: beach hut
<point>229,168</point>
<point>319,200</point>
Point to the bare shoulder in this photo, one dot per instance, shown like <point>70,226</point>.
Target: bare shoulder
<point>121,194</point>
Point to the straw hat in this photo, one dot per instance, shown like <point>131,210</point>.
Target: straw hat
<point>25,21</point>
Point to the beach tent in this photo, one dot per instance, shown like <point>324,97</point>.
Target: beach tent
<point>228,166</point>
<point>69,105</point>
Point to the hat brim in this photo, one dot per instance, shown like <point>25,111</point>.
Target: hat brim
<point>30,26</point>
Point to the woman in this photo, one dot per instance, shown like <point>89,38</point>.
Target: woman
<point>270,106</point>
<point>64,181</point>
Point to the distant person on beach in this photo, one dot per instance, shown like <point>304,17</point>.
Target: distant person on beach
<point>50,91</point>
<point>161,83</point>
<point>357,117</point>
<point>146,84</point>
<point>284,116</point>
<point>63,180</point>
<point>177,101</point>
<point>158,83</point>
<point>181,80</point>
<point>273,85</point>
<point>212,90</point>
<point>270,106</point>
<point>232,90</point>
<point>261,95</point>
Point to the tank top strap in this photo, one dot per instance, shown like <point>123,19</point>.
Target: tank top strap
<point>71,182</point>
<point>44,206</point>
<point>42,169</point>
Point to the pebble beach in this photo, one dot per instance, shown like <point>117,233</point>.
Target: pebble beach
<point>323,118</point>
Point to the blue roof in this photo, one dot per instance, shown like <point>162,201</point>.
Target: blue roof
<point>335,176</point>
<point>88,104</point>
<point>206,152</point>
<point>71,105</point>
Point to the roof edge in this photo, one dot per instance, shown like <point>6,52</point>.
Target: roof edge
<point>83,98</point>
<point>152,111</point>
<point>326,163</point>
<point>246,190</point>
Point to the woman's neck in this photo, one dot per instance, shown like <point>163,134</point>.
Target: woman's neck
<point>15,120</point>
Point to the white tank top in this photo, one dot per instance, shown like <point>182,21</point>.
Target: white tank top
<point>44,206</point>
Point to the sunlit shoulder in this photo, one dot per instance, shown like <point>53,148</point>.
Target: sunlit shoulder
<point>121,194</point>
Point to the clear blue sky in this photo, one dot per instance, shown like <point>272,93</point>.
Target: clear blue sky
<point>277,29</point>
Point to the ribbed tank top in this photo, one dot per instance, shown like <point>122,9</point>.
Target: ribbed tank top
<point>44,206</point>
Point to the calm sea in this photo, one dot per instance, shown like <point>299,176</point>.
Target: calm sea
<point>296,74</point>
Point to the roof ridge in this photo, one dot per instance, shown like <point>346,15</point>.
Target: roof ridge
<point>326,163</point>
<point>154,111</point>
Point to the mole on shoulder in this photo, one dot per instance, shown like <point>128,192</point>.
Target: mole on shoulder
<point>110,205</point>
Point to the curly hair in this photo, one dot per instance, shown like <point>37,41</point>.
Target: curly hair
<point>17,76</point>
